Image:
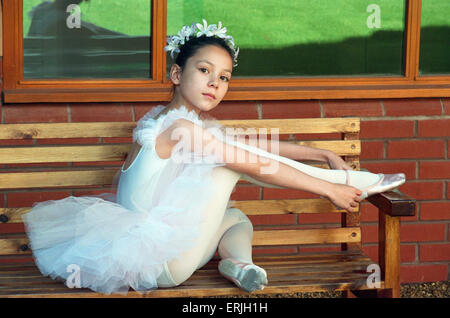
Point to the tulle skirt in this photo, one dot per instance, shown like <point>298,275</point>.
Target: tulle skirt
<point>93,242</point>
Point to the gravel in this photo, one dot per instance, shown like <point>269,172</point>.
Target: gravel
<point>412,290</point>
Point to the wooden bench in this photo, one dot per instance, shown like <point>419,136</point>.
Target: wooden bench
<point>342,266</point>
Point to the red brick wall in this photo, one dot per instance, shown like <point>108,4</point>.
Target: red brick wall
<point>398,135</point>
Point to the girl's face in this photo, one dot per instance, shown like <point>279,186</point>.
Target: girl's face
<point>208,72</point>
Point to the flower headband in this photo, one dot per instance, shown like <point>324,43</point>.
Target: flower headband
<point>175,42</point>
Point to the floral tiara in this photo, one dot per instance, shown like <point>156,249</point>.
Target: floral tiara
<point>175,42</point>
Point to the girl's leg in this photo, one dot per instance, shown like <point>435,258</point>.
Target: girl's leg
<point>233,239</point>
<point>224,181</point>
<point>357,179</point>
<point>234,242</point>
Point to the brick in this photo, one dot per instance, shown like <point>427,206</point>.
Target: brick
<point>372,150</point>
<point>141,108</point>
<point>446,103</point>
<point>371,251</point>
<point>35,113</point>
<point>434,170</point>
<point>354,107</point>
<point>68,141</point>
<point>369,233</point>
<point>387,129</point>
<point>433,128</point>
<point>434,252</point>
<point>448,190</point>
<point>435,210</point>
<point>101,112</point>
<point>423,190</point>
<point>314,218</point>
<point>36,165</point>
<point>416,149</point>
<point>26,199</point>
<point>273,194</point>
<point>93,192</point>
<point>407,252</point>
<point>422,273</point>
<point>272,219</point>
<point>234,110</point>
<point>326,136</point>
<point>290,109</point>
<point>245,193</point>
<point>16,142</point>
<point>368,212</point>
<point>422,232</point>
<point>412,107</point>
<point>117,140</point>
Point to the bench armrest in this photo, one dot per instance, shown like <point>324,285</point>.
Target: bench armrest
<point>394,203</point>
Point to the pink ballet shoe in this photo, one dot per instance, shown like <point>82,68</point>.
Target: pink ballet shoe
<point>387,182</point>
<point>248,277</point>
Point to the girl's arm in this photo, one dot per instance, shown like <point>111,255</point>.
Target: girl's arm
<point>265,169</point>
<point>290,150</point>
<point>189,137</point>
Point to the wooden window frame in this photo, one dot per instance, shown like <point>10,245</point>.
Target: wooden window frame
<point>18,90</point>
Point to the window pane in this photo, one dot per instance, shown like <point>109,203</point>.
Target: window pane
<point>304,37</point>
<point>87,39</point>
<point>434,55</point>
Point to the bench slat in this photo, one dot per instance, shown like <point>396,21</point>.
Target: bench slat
<point>125,129</point>
<point>11,246</point>
<point>92,153</point>
<point>43,179</point>
<point>338,271</point>
<point>249,207</point>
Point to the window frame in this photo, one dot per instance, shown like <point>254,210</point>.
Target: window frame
<point>18,90</point>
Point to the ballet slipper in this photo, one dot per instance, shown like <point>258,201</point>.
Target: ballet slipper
<point>246,276</point>
<point>385,183</point>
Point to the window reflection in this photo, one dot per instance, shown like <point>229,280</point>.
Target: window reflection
<point>87,39</point>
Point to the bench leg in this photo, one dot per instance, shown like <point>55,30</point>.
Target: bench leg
<point>389,252</point>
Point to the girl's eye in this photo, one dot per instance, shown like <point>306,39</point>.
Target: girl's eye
<point>224,78</point>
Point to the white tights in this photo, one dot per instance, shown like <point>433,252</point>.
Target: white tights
<point>229,230</point>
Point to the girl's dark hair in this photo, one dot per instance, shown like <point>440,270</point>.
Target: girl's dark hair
<point>191,47</point>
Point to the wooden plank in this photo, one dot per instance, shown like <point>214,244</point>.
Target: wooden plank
<point>125,129</point>
<point>43,179</point>
<point>49,154</point>
<point>311,236</point>
<point>12,246</point>
<point>92,153</point>
<point>226,289</point>
<point>66,130</point>
<point>249,207</point>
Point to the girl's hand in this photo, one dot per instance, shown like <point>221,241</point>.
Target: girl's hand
<point>344,196</point>
<point>336,162</point>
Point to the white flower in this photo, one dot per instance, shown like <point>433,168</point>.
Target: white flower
<point>184,34</point>
<point>205,29</point>
<point>176,41</point>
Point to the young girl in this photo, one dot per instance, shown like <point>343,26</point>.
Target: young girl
<point>172,208</point>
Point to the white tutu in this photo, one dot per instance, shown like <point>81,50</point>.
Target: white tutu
<point>110,247</point>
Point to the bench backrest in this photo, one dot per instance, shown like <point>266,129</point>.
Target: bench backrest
<point>41,156</point>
